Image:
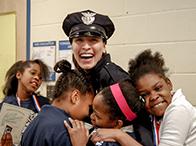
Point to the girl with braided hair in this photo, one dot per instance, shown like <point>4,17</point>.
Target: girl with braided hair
<point>72,97</point>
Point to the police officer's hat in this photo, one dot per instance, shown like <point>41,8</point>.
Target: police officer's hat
<point>88,23</point>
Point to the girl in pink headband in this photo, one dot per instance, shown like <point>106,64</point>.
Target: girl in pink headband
<point>116,106</point>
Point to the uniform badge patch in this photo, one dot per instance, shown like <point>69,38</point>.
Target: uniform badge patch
<point>88,18</point>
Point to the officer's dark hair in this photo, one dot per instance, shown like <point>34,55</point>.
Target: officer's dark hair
<point>131,97</point>
<point>70,79</point>
<point>145,63</point>
<point>11,82</point>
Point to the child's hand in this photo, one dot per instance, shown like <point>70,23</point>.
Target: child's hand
<point>102,134</point>
<point>6,140</point>
<point>78,133</point>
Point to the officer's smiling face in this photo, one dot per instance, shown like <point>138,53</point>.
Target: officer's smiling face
<point>88,51</point>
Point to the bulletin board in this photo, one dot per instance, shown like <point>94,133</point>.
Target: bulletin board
<point>46,51</point>
<point>7,45</point>
<point>65,51</point>
<point>51,52</point>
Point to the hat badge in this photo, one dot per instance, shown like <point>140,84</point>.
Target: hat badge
<point>88,17</point>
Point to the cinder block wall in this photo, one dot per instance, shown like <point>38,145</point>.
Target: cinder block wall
<point>162,25</point>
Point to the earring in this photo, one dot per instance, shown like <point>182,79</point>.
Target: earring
<point>142,99</point>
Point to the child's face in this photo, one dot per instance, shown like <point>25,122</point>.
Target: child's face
<point>156,91</point>
<point>100,116</point>
<point>81,109</point>
<point>30,80</point>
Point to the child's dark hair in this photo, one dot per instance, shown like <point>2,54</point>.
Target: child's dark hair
<point>146,62</point>
<point>11,82</point>
<point>131,97</point>
<point>70,79</point>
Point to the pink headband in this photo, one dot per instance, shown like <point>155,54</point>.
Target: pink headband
<point>120,100</point>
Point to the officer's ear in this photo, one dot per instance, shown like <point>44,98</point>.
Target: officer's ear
<point>104,49</point>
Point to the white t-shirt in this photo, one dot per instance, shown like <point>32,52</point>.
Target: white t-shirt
<point>178,127</point>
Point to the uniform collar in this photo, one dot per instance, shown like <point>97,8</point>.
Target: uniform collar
<point>104,60</point>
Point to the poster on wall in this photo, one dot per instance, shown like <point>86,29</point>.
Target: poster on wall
<point>46,51</point>
<point>65,51</point>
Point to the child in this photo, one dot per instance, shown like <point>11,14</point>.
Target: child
<point>72,98</point>
<point>117,107</point>
<point>170,110</point>
<point>22,80</point>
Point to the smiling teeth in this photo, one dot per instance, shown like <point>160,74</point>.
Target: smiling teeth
<point>86,55</point>
<point>34,84</point>
<point>157,105</point>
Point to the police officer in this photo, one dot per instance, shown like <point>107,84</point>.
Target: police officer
<point>88,33</point>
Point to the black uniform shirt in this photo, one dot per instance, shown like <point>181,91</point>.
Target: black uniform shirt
<point>106,73</point>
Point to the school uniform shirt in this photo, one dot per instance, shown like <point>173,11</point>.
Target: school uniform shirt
<point>31,103</point>
<point>47,129</point>
<point>178,127</point>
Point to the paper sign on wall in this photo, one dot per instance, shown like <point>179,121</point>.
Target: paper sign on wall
<point>65,51</point>
<point>46,51</point>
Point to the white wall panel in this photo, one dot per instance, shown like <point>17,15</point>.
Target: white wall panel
<point>48,32</point>
<point>54,11</point>
<point>163,27</point>
<point>180,57</point>
<point>150,6</point>
<point>187,82</point>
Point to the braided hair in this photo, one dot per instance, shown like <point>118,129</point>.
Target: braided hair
<point>69,79</point>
